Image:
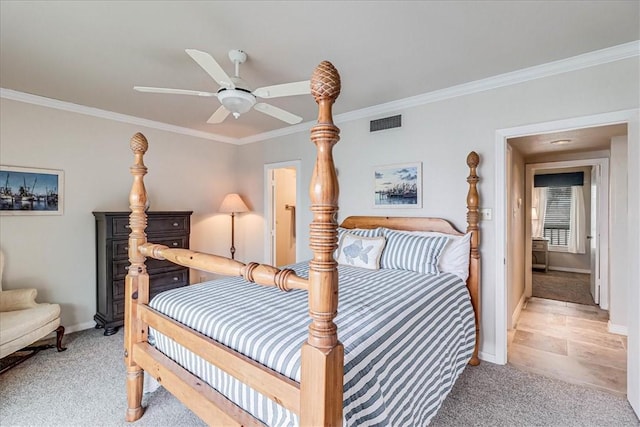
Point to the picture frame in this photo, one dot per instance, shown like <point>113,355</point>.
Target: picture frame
<point>398,186</point>
<point>31,191</point>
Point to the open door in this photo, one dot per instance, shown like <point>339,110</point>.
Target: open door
<point>594,235</point>
<point>281,193</point>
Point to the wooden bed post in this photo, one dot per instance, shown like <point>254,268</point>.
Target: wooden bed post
<point>322,374</point>
<point>473,283</point>
<point>137,280</point>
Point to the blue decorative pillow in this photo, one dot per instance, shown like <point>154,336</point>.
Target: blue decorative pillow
<point>360,251</point>
<point>362,232</point>
<point>411,252</point>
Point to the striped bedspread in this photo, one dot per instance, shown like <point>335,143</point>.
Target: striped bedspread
<point>406,336</point>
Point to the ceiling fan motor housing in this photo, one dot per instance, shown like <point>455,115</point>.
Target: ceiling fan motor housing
<point>237,101</point>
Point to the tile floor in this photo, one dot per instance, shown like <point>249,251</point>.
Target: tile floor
<point>570,342</point>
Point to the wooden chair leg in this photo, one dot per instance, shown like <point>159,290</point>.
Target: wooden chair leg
<point>59,335</point>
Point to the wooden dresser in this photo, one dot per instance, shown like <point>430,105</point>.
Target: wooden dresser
<point>112,260</point>
<point>540,246</point>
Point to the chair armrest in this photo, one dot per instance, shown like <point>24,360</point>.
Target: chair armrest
<point>18,299</point>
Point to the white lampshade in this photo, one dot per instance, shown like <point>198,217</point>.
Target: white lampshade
<point>233,203</point>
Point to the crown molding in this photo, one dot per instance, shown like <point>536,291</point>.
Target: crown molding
<point>109,115</point>
<point>574,63</point>
<point>587,60</point>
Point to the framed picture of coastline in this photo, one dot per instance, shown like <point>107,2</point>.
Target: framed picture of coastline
<point>30,191</point>
<point>398,186</point>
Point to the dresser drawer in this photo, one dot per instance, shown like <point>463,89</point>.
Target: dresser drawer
<point>158,283</point>
<point>154,266</point>
<point>537,245</point>
<point>121,247</point>
<point>155,225</point>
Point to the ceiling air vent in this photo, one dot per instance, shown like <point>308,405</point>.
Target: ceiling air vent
<point>386,123</point>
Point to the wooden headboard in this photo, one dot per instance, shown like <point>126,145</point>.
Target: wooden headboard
<point>402,223</point>
<point>443,226</point>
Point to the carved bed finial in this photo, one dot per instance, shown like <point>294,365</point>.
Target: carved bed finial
<point>473,159</point>
<point>139,144</point>
<point>325,88</point>
<point>325,82</point>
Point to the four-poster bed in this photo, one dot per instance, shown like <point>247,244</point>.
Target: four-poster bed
<point>251,370</point>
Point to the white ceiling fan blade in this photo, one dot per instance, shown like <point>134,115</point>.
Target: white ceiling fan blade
<point>173,91</point>
<point>286,89</point>
<point>219,115</point>
<point>278,113</point>
<point>212,68</point>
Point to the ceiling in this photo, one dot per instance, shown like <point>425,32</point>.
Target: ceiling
<point>571,141</point>
<point>92,53</point>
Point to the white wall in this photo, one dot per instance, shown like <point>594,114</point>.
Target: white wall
<point>440,135</point>
<point>633,295</point>
<point>56,254</point>
<point>619,248</point>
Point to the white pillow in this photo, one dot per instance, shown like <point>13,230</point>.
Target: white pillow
<point>360,251</point>
<point>455,257</point>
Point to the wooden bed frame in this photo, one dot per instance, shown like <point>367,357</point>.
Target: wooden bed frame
<point>318,398</point>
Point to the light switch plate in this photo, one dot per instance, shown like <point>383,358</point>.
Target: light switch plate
<point>486,214</point>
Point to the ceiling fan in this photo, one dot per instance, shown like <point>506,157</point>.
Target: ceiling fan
<point>234,94</point>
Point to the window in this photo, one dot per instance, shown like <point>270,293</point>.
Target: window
<point>559,203</point>
<point>557,222</point>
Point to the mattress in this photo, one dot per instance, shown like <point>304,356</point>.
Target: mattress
<point>407,337</point>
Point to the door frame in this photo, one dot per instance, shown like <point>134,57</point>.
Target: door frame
<point>602,218</point>
<point>501,136</point>
<point>269,206</point>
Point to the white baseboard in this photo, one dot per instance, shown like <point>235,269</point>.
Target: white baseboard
<point>491,358</point>
<point>617,329</point>
<point>79,327</point>
<point>516,313</point>
<point>570,270</point>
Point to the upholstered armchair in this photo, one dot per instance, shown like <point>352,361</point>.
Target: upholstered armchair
<point>23,322</point>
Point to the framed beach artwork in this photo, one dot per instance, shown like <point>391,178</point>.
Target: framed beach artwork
<point>30,191</point>
<point>398,186</point>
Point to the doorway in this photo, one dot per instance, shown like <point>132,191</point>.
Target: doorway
<point>570,341</point>
<point>281,188</point>
<point>571,270</point>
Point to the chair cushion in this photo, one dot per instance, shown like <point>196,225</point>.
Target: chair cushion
<point>15,324</point>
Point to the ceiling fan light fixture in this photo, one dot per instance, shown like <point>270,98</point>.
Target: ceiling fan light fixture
<point>236,101</point>
<point>560,142</point>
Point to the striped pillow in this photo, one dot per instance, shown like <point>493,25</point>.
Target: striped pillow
<point>411,252</point>
<point>362,232</point>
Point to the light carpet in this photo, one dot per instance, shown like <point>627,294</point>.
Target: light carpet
<point>85,386</point>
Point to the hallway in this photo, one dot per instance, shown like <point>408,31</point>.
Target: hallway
<point>570,342</point>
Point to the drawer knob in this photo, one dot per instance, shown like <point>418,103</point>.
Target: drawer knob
<point>175,224</point>
<point>176,278</point>
<point>127,226</point>
<point>174,244</point>
<point>126,248</point>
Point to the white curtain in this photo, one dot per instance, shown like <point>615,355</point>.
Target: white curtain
<point>539,206</point>
<point>576,243</point>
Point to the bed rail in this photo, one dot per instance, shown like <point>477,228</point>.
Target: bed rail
<point>260,274</point>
